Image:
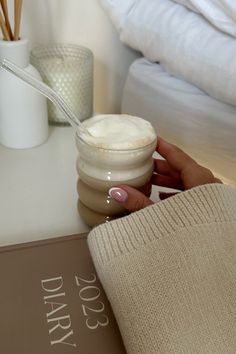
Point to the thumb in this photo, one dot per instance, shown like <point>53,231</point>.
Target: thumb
<point>129,197</point>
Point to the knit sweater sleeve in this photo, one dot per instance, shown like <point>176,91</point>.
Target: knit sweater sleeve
<point>169,271</point>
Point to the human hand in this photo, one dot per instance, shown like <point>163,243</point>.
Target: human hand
<point>178,171</point>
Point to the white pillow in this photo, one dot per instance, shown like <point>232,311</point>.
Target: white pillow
<point>118,10</point>
<point>185,44</point>
<point>221,13</point>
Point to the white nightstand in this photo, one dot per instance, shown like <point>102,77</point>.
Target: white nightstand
<point>38,197</point>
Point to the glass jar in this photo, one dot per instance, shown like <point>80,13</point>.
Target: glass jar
<point>100,169</point>
<point>67,69</point>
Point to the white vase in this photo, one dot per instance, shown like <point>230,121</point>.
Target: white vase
<point>23,111</point>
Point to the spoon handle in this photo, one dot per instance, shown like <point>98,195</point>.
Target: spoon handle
<point>43,89</point>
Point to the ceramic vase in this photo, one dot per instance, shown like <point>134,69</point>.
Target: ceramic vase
<point>23,111</point>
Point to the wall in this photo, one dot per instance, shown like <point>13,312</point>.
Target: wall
<point>82,22</point>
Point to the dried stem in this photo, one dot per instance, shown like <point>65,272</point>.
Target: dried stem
<point>5,13</point>
<point>17,18</point>
<point>3,26</point>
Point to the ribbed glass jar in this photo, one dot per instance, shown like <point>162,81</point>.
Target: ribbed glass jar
<point>68,69</point>
<point>100,169</point>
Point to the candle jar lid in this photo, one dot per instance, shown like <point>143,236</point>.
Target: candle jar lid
<point>67,69</point>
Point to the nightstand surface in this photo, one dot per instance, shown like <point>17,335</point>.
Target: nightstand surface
<point>38,197</point>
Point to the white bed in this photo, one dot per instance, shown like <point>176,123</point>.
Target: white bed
<point>186,44</point>
<point>185,115</point>
<point>191,97</point>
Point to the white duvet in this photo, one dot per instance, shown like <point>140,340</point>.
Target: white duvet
<point>221,13</point>
<point>183,41</point>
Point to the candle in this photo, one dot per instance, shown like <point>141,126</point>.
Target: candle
<point>71,76</point>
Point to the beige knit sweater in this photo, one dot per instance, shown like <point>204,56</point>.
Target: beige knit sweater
<point>169,272</point>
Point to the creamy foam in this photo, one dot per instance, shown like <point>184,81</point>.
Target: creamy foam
<point>113,131</point>
<point>116,148</point>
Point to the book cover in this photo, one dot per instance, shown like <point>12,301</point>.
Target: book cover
<point>52,301</point>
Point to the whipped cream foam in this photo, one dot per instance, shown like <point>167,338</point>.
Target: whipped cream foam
<point>118,132</point>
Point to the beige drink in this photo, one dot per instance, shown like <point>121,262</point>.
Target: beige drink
<point>118,151</point>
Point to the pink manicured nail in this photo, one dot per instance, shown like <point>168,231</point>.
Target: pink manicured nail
<point>118,194</point>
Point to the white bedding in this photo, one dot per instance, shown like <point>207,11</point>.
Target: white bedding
<point>221,13</point>
<point>183,41</point>
<point>184,115</point>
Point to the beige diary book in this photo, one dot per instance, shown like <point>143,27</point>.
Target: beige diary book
<point>52,301</point>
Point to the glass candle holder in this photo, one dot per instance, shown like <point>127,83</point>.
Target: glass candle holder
<point>67,69</point>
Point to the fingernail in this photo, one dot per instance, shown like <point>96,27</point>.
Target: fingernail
<point>120,195</point>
